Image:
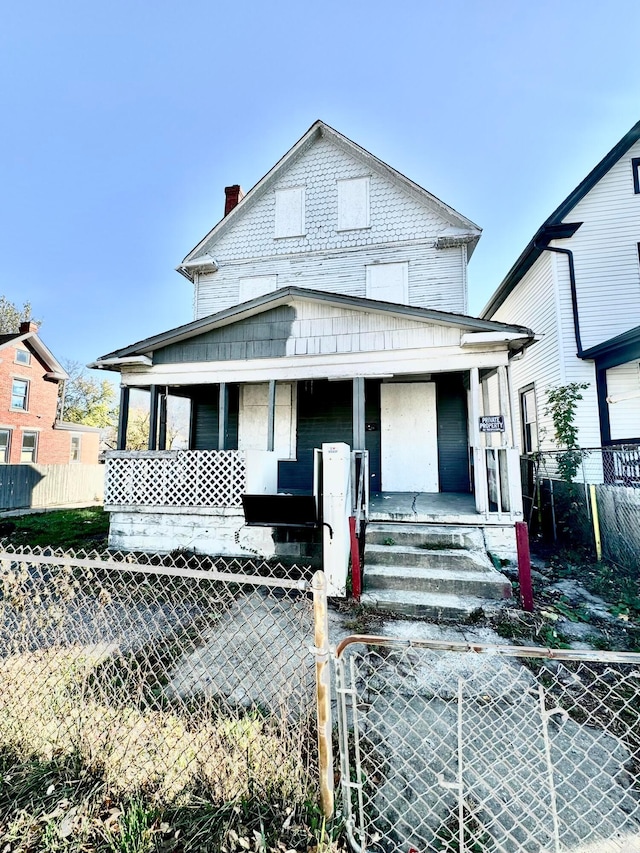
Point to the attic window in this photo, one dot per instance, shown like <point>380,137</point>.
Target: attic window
<point>353,204</point>
<point>290,212</point>
<point>635,167</point>
<point>23,357</point>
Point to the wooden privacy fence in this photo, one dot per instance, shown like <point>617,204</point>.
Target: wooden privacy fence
<point>33,486</point>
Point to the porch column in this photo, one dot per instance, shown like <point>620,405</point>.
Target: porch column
<point>505,406</point>
<point>123,417</point>
<point>162,434</point>
<point>479,461</point>
<point>153,418</point>
<point>223,416</point>
<point>271,415</point>
<point>358,413</point>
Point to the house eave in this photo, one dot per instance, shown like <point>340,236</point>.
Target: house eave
<point>286,296</point>
<point>533,250</point>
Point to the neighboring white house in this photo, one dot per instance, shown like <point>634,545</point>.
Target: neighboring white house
<point>329,307</point>
<point>577,284</point>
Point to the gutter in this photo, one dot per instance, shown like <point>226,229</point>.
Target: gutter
<point>544,247</point>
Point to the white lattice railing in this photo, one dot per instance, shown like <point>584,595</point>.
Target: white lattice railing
<point>181,478</point>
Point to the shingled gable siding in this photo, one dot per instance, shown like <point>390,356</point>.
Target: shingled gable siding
<point>308,328</point>
<point>262,336</point>
<point>326,258</point>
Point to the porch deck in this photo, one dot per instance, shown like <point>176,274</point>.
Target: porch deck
<point>425,507</point>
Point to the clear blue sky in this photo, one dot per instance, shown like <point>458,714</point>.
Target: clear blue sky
<point>123,121</point>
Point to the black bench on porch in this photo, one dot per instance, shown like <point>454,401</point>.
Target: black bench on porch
<point>282,511</point>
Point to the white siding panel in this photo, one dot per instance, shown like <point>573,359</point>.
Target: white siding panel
<point>533,304</point>
<point>624,415</point>
<point>606,254</point>
<point>435,277</point>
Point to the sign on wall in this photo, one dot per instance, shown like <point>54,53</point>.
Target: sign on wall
<point>492,423</point>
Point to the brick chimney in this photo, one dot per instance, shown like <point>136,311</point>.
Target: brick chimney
<point>233,195</point>
<point>28,326</point>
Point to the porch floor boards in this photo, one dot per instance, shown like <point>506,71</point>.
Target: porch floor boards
<point>440,507</point>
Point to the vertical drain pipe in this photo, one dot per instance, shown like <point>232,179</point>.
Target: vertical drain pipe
<point>323,692</point>
<point>574,293</point>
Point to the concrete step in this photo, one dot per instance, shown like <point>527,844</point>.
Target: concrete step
<point>435,606</point>
<point>433,536</point>
<point>480,584</point>
<point>412,555</point>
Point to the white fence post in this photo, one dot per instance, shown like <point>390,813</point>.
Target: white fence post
<point>336,509</point>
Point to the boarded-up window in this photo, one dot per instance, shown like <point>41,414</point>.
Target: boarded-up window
<point>290,212</point>
<point>388,282</point>
<point>257,285</point>
<point>353,204</point>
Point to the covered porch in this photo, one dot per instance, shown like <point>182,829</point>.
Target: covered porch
<point>421,395</point>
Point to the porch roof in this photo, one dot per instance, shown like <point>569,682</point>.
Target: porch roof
<point>516,337</point>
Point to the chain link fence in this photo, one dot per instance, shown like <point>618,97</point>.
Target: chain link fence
<point>174,675</point>
<point>447,747</point>
<point>605,489</point>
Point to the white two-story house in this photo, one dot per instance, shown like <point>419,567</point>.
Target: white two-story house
<point>577,283</point>
<point>330,306</point>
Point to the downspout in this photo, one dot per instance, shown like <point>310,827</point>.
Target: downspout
<point>574,293</point>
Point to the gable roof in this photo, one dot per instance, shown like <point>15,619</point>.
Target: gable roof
<point>54,369</point>
<point>318,130</point>
<point>287,295</point>
<point>553,227</point>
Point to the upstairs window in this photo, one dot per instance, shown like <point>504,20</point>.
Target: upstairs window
<point>353,204</point>
<point>23,357</point>
<point>29,449</point>
<point>19,394</point>
<point>529,414</point>
<point>290,212</point>
<point>257,285</point>
<point>388,282</point>
<point>5,444</point>
<point>635,166</point>
<point>76,447</point>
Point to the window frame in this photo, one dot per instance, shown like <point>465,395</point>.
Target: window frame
<point>76,438</point>
<point>7,447</point>
<point>365,181</point>
<point>635,168</point>
<point>23,352</point>
<point>26,383</point>
<point>281,193</point>
<point>526,437</point>
<point>34,451</point>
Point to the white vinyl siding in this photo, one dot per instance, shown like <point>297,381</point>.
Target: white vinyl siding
<point>353,204</point>
<point>624,414</point>
<point>437,276</point>
<point>253,286</point>
<point>533,304</point>
<point>605,250</point>
<point>388,282</point>
<point>289,217</point>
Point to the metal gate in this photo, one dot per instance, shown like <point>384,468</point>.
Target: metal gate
<point>451,747</point>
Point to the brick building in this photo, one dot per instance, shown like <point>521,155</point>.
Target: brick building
<point>30,431</point>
